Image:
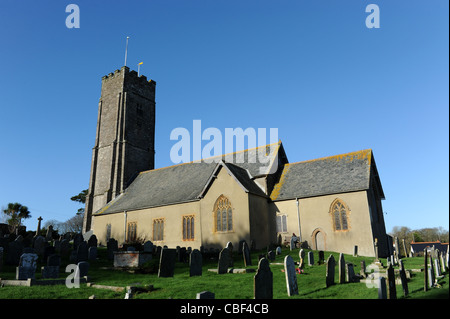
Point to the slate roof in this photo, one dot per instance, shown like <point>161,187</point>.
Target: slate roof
<point>417,247</point>
<point>330,175</point>
<point>186,182</point>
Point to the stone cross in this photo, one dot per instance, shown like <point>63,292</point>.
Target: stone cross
<point>224,261</point>
<point>263,281</point>
<point>38,226</point>
<point>291,276</point>
<point>331,264</point>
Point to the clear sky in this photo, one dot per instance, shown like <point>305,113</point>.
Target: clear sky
<point>310,68</point>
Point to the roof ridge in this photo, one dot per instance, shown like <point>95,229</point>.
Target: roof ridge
<point>338,157</point>
<point>212,157</point>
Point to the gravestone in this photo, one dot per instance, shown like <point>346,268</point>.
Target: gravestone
<point>246,255</point>
<point>1,258</point>
<point>404,248</point>
<point>291,276</point>
<point>82,251</point>
<point>310,258</point>
<point>49,235</point>
<point>321,257</point>
<point>92,253</point>
<point>432,274</point>
<point>15,250</point>
<point>112,246</point>
<point>331,264</point>
<point>403,278</point>
<point>350,273</point>
<point>278,250</point>
<point>355,251</point>
<point>362,271</point>
<point>48,251</point>
<point>425,284</point>
<point>82,269</point>
<point>195,263</point>
<point>148,247</point>
<point>230,251</point>
<point>224,261</point>
<point>167,262</point>
<point>92,241</point>
<point>301,255</point>
<point>341,268</point>
<point>271,255</point>
<point>52,268</point>
<point>27,266</point>
<point>64,248</point>
<point>205,295</point>
<point>382,291</point>
<point>263,281</point>
<point>392,291</point>
<point>77,239</point>
<point>293,242</point>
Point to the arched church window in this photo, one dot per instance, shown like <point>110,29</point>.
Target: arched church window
<point>339,214</point>
<point>223,214</point>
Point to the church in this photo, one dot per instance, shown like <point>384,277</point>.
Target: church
<point>331,203</point>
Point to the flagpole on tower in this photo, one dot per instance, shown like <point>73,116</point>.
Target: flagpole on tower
<point>126,50</point>
<point>139,66</point>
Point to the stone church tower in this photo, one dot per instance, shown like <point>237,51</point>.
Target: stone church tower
<point>125,138</point>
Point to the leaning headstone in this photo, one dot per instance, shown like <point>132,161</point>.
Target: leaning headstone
<point>195,263</point>
<point>27,266</point>
<point>392,291</point>
<point>167,262</point>
<point>403,278</point>
<point>382,291</point>
<point>263,281</point>
<point>224,261</point>
<point>350,273</point>
<point>291,276</point>
<point>341,268</point>
<point>310,258</point>
<point>246,255</point>
<point>331,264</point>
<point>205,295</point>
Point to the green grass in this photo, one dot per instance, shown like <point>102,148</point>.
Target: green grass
<point>227,286</point>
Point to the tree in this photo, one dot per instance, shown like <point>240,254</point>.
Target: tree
<point>16,212</point>
<point>80,198</point>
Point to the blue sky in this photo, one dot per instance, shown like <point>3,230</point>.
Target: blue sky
<point>312,69</point>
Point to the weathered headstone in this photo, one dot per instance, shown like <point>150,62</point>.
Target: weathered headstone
<point>51,270</point>
<point>392,291</point>
<point>293,242</point>
<point>321,257</point>
<point>1,258</point>
<point>310,258</point>
<point>224,261</point>
<point>27,266</point>
<point>403,278</point>
<point>263,281</point>
<point>195,263</point>
<point>167,262</point>
<point>82,269</point>
<point>341,268</point>
<point>246,255</point>
<point>271,255</point>
<point>92,241</point>
<point>205,295</point>
<point>15,250</point>
<point>278,250</point>
<point>432,274</point>
<point>64,248</point>
<point>425,255</point>
<point>48,251</point>
<point>49,235</point>
<point>291,276</point>
<point>77,239</point>
<point>351,277</point>
<point>362,271</point>
<point>404,248</point>
<point>331,264</point>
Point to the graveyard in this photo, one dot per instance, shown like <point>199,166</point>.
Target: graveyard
<point>228,274</point>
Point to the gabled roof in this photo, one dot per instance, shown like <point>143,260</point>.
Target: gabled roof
<point>187,182</point>
<point>329,175</point>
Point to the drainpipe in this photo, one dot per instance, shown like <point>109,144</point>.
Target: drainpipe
<point>125,226</point>
<point>298,215</point>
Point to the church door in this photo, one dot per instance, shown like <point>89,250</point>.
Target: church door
<point>319,241</point>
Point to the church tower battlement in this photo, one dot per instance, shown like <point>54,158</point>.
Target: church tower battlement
<point>125,137</point>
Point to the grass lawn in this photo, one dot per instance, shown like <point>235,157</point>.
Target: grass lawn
<point>227,286</point>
